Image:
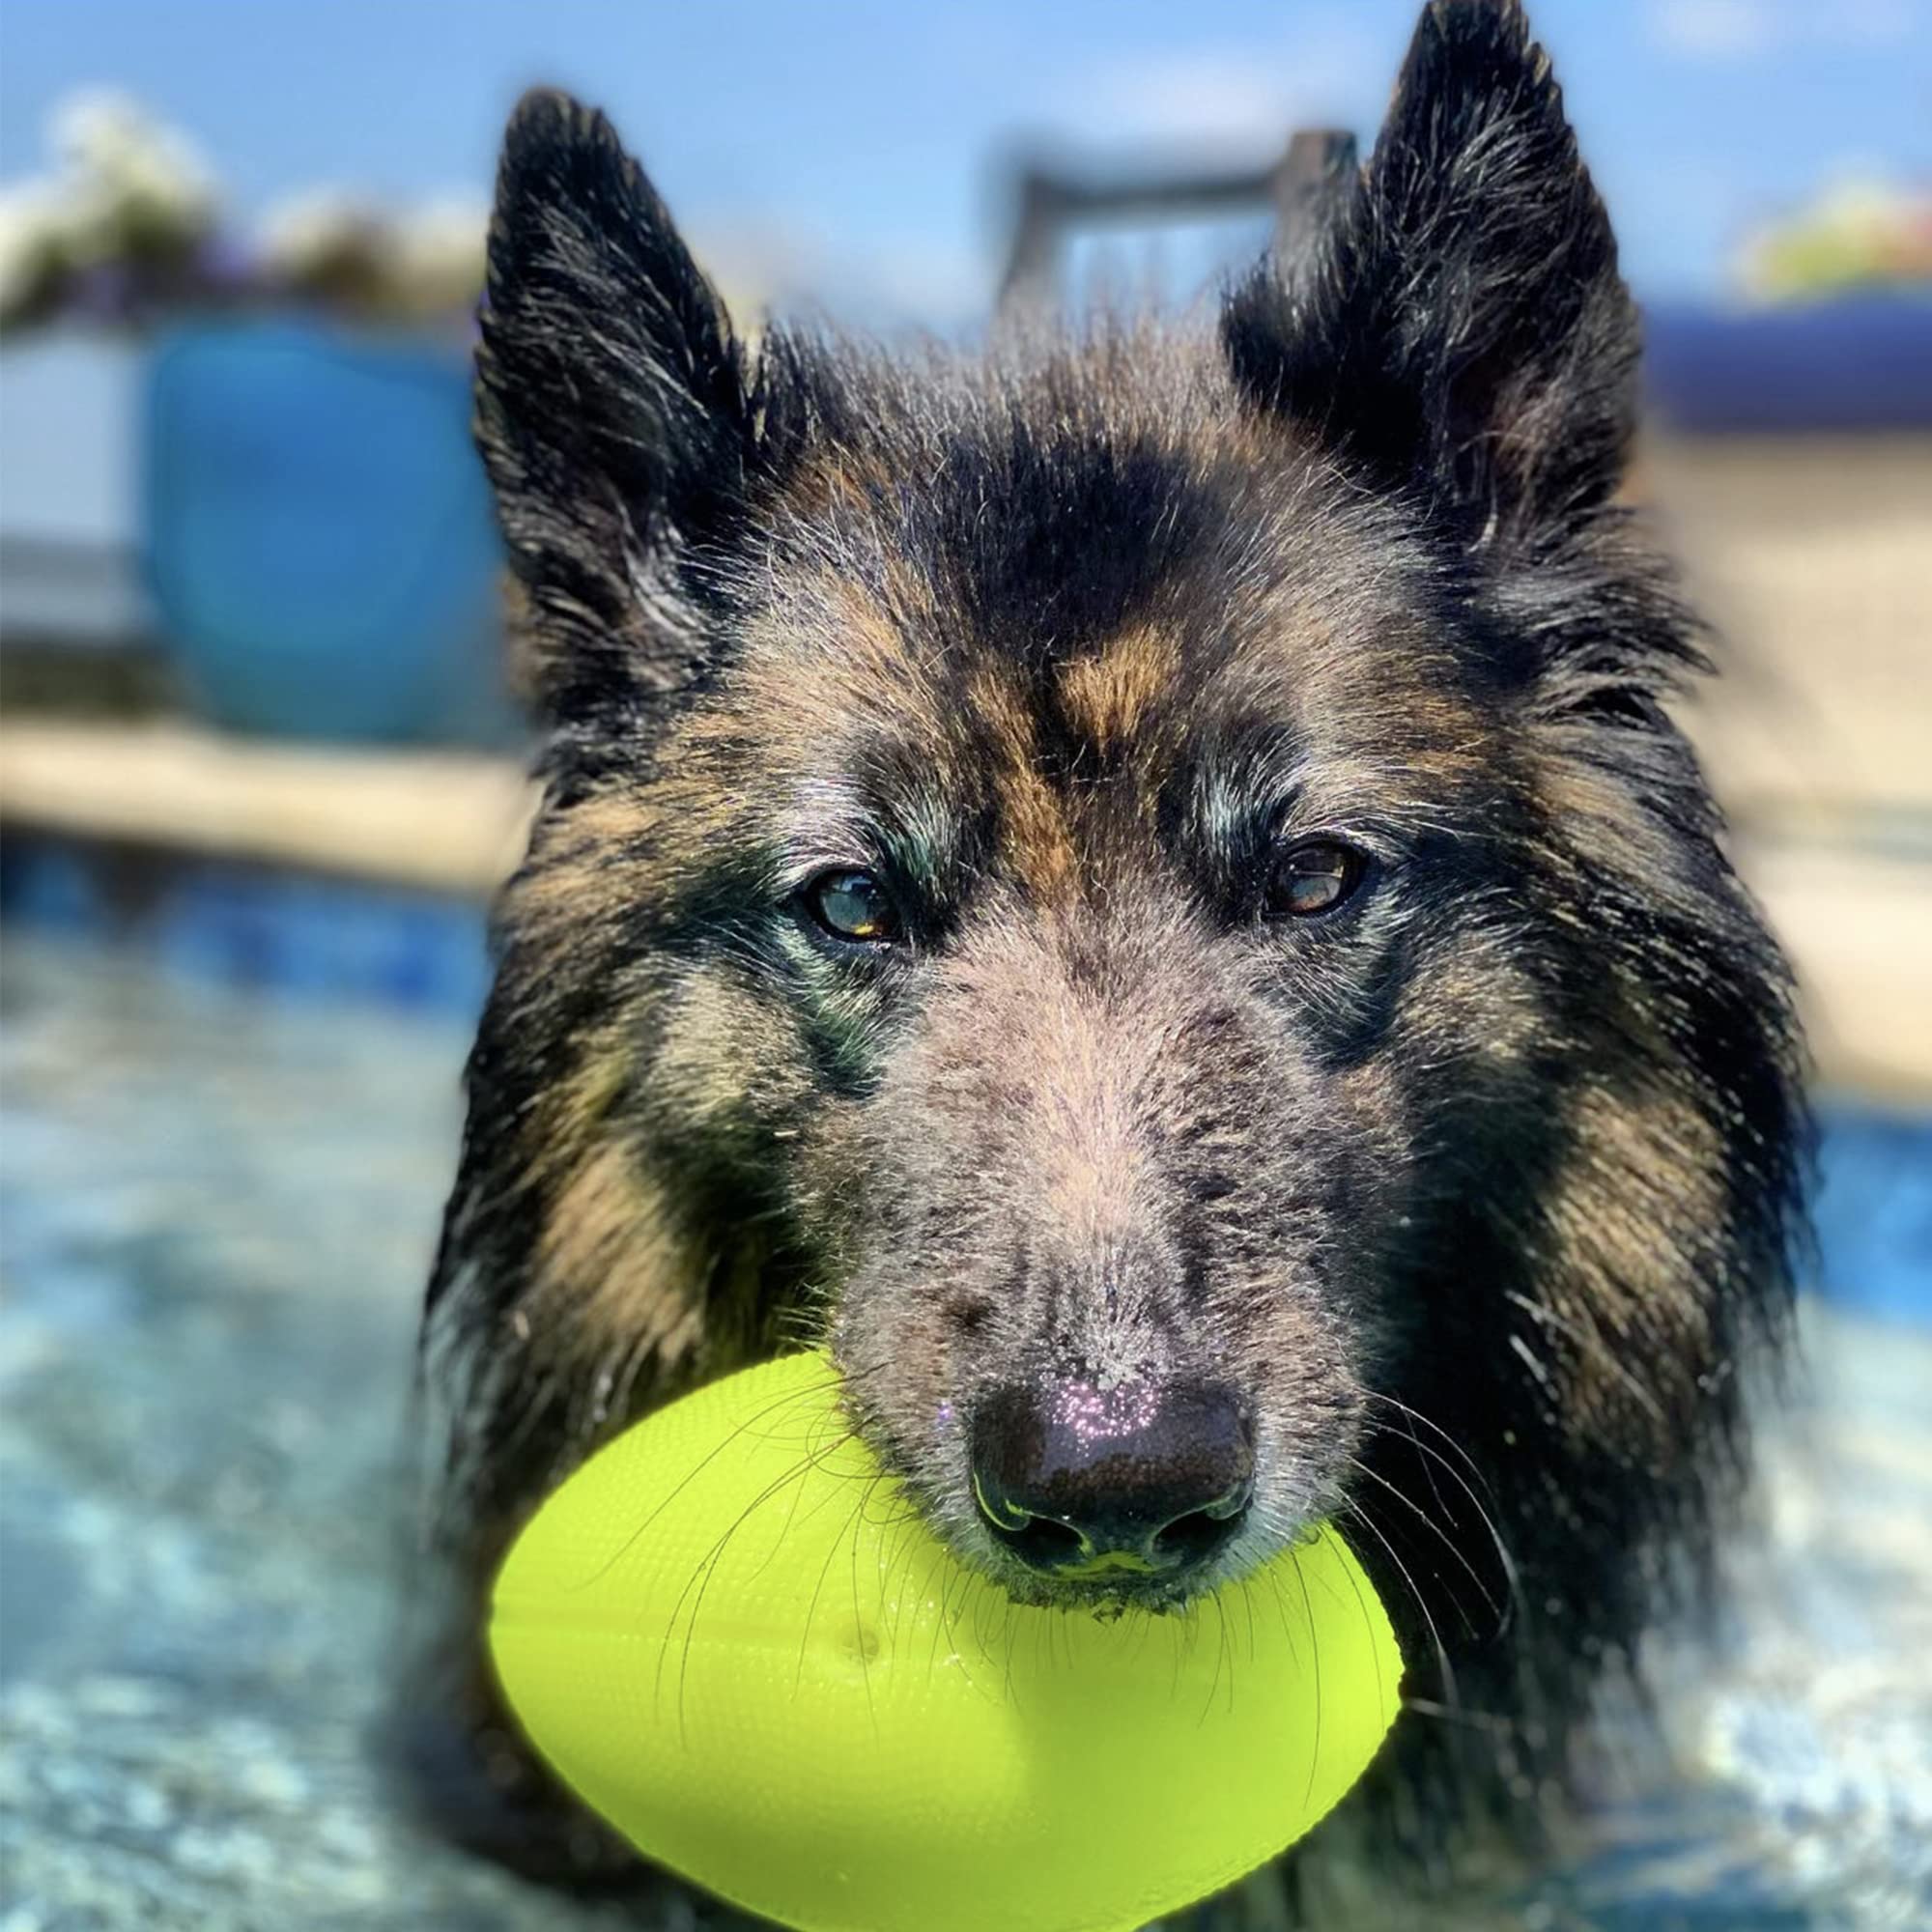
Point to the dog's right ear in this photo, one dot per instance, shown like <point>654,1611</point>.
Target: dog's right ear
<point>1456,324</point>
<point>613,411</point>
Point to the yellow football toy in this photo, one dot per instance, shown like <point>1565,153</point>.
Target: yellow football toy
<point>734,1637</point>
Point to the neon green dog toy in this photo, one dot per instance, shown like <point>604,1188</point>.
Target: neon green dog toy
<point>735,1639</point>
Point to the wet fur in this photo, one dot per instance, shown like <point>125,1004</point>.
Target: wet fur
<point>1482,1191</point>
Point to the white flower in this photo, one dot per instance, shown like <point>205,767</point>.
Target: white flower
<point>32,232</point>
<point>125,182</point>
<point>110,141</point>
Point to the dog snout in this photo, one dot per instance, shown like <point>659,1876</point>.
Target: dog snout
<point>1078,1480</point>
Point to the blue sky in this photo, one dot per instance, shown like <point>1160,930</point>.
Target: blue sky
<point>849,141</point>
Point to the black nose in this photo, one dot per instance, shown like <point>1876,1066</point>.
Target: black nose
<point>1078,1480</point>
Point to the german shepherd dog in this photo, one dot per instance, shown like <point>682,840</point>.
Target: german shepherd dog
<point>1146,872</point>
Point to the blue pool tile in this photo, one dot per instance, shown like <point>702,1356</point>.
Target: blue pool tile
<point>271,931</point>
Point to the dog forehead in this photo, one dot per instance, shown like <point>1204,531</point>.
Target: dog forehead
<point>1039,603</point>
<point>886,650</point>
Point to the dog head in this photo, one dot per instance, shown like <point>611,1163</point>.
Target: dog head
<point>1142,884</point>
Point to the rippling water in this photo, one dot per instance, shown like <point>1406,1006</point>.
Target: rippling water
<point>216,1212</point>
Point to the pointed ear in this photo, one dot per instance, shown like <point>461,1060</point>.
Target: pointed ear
<point>611,410</point>
<point>1457,323</point>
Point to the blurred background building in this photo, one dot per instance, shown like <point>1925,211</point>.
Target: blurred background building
<point>259,771</point>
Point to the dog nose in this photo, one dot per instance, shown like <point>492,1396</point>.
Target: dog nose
<point>1078,1480</point>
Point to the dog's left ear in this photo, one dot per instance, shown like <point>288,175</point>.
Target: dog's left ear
<point>1457,323</point>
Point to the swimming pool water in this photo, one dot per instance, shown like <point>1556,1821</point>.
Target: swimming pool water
<point>216,1213</point>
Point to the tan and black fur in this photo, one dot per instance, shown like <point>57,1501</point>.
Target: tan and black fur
<point>1478,1189</point>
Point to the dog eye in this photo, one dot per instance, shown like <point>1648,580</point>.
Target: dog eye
<point>851,905</point>
<point>1313,877</point>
